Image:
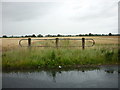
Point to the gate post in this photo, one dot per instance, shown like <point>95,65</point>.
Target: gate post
<point>57,39</point>
<point>83,43</point>
<point>29,42</point>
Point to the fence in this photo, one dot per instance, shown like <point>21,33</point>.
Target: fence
<point>57,42</point>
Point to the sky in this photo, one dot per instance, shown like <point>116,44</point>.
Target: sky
<point>27,17</point>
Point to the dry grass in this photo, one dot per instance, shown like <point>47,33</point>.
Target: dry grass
<point>12,43</point>
<point>9,43</point>
<point>104,52</point>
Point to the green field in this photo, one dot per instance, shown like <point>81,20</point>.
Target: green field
<point>105,52</point>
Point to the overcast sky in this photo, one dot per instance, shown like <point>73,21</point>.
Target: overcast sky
<point>59,17</point>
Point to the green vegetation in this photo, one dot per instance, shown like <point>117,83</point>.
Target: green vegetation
<point>105,52</point>
<point>34,58</point>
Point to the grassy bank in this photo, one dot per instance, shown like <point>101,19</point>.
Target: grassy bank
<point>50,58</point>
<point>37,58</point>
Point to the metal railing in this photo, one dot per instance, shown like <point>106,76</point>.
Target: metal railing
<point>57,42</point>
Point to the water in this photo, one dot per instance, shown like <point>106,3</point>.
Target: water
<point>105,77</point>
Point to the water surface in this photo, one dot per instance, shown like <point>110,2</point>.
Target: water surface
<point>105,77</point>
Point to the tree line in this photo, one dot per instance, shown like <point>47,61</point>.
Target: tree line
<point>59,35</point>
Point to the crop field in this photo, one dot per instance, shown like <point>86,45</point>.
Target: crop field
<point>104,52</point>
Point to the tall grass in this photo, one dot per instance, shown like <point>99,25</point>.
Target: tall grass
<point>34,58</point>
<point>27,58</point>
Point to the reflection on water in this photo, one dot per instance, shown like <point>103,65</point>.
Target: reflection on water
<point>104,77</point>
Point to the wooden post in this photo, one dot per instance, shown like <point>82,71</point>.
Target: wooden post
<point>83,43</point>
<point>57,39</point>
<point>29,42</point>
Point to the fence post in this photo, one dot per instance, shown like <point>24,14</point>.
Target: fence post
<point>57,39</point>
<point>83,43</point>
<point>29,42</point>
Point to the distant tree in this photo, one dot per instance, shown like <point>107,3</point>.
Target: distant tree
<point>86,35</point>
<point>90,34</point>
<point>53,36</point>
<point>58,35</point>
<point>96,34</point>
<point>69,35</point>
<point>110,34</point>
<point>33,35</point>
<point>48,35</point>
<point>80,35</point>
<point>11,36</point>
<point>39,35</point>
<point>4,36</point>
<point>26,36</point>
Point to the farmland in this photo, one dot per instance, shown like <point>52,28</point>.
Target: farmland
<point>105,52</point>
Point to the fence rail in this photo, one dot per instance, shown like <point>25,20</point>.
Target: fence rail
<point>57,42</point>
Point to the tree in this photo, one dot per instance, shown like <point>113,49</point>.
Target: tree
<point>58,35</point>
<point>4,36</point>
<point>90,34</point>
<point>39,35</point>
<point>33,35</point>
<point>26,36</point>
<point>80,35</point>
<point>110,34</point>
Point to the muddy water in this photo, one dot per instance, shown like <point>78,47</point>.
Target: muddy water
<point>104,77</point>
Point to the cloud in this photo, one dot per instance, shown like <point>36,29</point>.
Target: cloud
<point>22,11</point>
<point>63,17</point>
<point>97,10</point>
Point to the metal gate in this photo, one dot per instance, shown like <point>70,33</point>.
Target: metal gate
<point>57,42</point>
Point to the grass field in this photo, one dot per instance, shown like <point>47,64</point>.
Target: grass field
<point>105,52</point>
